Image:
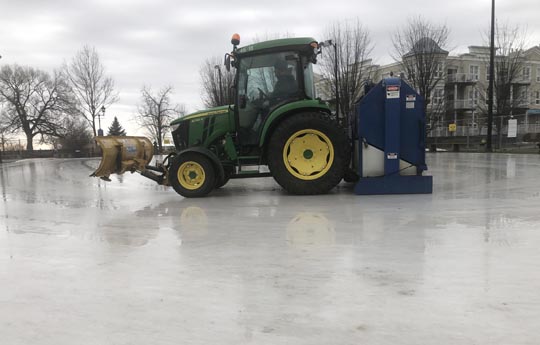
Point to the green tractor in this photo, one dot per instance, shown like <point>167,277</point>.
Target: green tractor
<point>276,122</point>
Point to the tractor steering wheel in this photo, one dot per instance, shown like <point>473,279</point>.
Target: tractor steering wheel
<point>263,96</point>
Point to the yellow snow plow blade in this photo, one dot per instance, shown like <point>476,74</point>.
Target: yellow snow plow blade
<point>121,154</point>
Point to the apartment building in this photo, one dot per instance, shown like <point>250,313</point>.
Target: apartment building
<point>466,84</point>
<point>460,95</point>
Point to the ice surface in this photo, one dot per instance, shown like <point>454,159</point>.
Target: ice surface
<point>83,261</point>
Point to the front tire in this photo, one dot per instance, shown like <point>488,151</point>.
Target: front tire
<point>220,182</point>
<point>192,175</point>
<point>308,153</point>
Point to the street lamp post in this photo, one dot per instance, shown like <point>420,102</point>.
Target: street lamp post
<point>2,150</point>
<point>218,67</point>
<point>99,116</point>
<point>491,79</point>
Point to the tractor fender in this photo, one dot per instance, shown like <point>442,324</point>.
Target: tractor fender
<point>220,172</point>
<point>285,110</point>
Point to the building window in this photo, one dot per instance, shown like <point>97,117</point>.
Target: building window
<point>438,96</point>
<point>526,74</point>
<point>473,97</point>
<point>473,71</point>
<point>487,73</point>
<point>538,75</point>
<point>439,70</point>
<point>523,100</point>
<point>537,101</point>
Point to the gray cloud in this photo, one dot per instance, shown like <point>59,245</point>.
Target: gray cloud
<point>164,42</point>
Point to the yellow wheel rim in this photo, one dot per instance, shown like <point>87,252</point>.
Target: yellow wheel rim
<point>308,154</point>
<point>191,175</point>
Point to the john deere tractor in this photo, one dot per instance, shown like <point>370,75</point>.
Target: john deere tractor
<point>275,122</point>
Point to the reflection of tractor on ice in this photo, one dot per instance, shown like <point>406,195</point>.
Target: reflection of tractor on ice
<point>277,121</point>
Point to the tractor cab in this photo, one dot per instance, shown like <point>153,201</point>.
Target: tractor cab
<point>269,75</point>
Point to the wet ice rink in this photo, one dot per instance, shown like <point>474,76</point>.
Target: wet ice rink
<point>83,261</point>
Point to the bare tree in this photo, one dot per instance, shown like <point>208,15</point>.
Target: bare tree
<point>420,47</point>
<point>344,65</point>
<point>4,133</point>
<point>35,103</point>
<point>156,112</point>
<point>93,89</point>
<point>216,83</point>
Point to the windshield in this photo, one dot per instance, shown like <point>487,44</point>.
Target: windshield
<point>272,75</point>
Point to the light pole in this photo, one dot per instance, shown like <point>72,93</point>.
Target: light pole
<point>99,116</point>
<point>2,150</point>
<point>218,67</point>
<point>491,78</point>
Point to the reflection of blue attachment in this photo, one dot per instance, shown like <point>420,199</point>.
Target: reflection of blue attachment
<point>131,149</point>
<point>391,152</point>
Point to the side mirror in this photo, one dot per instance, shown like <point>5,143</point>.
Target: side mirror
<point>227,62</point>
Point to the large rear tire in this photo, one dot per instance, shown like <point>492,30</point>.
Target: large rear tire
<point>192,175</point>
<point>308,153</point>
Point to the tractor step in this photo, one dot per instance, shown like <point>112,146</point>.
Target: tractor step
<point>247,174</point>
<point>252,170</point>
<point>248,160</point>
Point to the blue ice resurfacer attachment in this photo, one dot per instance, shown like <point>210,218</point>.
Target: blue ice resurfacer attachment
<point>391,147</point>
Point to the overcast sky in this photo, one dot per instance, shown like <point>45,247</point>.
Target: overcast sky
<point>163,42</point>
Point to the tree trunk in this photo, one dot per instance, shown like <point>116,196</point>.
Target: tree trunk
<point>29,143</point>
<point>94,126</point>
<point>160,148</point>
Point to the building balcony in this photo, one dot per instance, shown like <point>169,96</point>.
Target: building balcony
<point>462,78</point>
<point>521,80</point>
<point>463,104</point>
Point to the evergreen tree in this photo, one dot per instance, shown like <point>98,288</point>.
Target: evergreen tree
<point>116,129</point>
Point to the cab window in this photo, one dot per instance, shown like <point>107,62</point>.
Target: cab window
<point>265,81</point>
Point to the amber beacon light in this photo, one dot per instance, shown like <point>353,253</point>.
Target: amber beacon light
<point>235,40</point>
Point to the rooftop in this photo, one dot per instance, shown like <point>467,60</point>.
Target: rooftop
<point>282,42</point>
